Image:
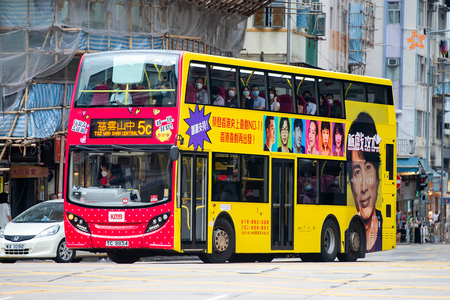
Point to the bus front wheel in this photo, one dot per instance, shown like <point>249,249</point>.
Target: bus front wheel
<point>222,243</point>
<point>353,242</point>
<point>329,243</point>
<point>123,256</point>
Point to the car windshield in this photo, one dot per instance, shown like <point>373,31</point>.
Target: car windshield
<point>119,178</point>
<point>127,79</point>
<point>44,212</point>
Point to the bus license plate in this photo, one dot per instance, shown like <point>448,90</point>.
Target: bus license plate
<point>116,243</point>
<point>15,246</point>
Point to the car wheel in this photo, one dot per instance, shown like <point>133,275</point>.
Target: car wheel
<point>353,242</point>
<point>64,254</point>
<point>7,260</point>
<point>124,256</point>
<point>223,243</point>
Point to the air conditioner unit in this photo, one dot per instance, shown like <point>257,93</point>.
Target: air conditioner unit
<point>392,62</point>
<point>316,7</point>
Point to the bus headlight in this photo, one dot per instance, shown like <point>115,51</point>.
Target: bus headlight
<point>157,222</point>
<point>78,222</point>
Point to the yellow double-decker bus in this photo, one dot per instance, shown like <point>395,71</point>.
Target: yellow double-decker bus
<point>228,159</point>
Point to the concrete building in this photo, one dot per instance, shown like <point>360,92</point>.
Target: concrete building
<point>403,30</point>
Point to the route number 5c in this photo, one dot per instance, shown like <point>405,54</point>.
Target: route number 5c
<point>144,129</point>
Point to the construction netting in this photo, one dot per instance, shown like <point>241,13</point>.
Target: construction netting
<point>41,41</point>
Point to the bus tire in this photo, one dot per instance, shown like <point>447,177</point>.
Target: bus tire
<point>123,256</point>
<point>64,254</point>
<point>329,242</point>
<point>354,246</point>
<point>222,243</point>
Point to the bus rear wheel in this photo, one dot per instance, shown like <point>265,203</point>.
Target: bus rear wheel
<point>329,243</point>
<point>353,243</point>
<point>123,256</point>
<point>222,244</point>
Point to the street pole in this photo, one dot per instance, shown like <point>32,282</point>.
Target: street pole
<point>288,28</point>
<point>441,237</point>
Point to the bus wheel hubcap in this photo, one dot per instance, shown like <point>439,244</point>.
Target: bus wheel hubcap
<point>221,240</point>
<point>329,240</point>
<point>354,241</point>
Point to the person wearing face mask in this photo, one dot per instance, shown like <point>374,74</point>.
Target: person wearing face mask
<point>310,192</point>
<point>335,110</point>
<point>218,100</point>
<point>107,176</point>
<point>274,102</point>
<point>324,108</point>
<point>232,100</point>
<point>258,102</point>
<point>310,107</point>
<point>201,96</point>
<point>120,97</point>
<point>247,101</point>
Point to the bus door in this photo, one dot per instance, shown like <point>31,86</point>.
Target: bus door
<point>282,204</point>
<point>194,190</point>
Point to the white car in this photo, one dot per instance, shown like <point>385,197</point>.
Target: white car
<point>38,232</point>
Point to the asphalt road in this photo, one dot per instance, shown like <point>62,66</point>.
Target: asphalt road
<point>414,271</point>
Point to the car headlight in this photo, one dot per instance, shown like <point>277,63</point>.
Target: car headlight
<point>49,231</point>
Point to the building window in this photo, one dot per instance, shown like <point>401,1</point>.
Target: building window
<point>421,69</point>
<point>438,126</point>
<point>442,20</point>
<point>421,13</point>
<point>393,12</point>
<point>272,16</point>
<point>344,22</point>
<point>419,123</point>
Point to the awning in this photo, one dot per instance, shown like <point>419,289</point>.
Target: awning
<point>429,170</point>
<point>407,165</point>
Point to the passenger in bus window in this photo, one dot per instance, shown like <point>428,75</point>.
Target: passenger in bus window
<point>218,100</point>
<point>312,138</point>
<point>232,100</point>
<point>269,127</point>
<point>310,107</point>
<point>338,133</point>
<point>335,110</point>
<point>274,102</point>
<point>201,96</point>
<point>284,135</point>
<point>247,101</point>
<point>258,102</point>
<point>298,135</point>
<point>325,147</point>
<point>324,108</point>
<point>120,97</point>
<point>310,189</point>
<point>364,164</point>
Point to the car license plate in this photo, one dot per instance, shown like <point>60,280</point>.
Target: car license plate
<point>116,243</point>
<point>15,246</point>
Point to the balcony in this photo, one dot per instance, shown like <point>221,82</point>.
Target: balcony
<point>405,147</point>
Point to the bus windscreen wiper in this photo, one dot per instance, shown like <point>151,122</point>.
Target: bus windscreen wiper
<point>122,148</point>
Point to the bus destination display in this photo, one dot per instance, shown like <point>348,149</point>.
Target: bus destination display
<point>125,128</point>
